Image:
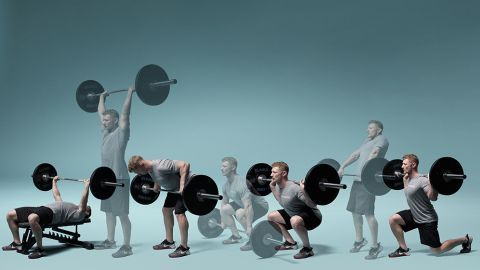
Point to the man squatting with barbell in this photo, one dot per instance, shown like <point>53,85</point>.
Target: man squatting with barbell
<point>361,202</point>
<point>171,175</point>
<point>299,211</point>
<point>54,213</point>
<point>421,215</point>
<point>245,206</point>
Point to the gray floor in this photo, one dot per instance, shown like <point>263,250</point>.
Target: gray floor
<point>331,240</point>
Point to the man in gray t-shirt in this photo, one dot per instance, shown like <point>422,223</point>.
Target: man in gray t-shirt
<point>238,201</point>
<point>299,211</point>
<point>51,214</point>
<point>115,135</point>
<point>421,215</point>
<point>171,175</point>
<point>361,202</point>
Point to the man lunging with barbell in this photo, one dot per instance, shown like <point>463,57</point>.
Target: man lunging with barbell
<point>238,201</point>
<point>116,133</point>
<point>361,202</point>
<point>53,213</point>
<point>422,215</point>
<point>299,213</point>
<point>171,175</point>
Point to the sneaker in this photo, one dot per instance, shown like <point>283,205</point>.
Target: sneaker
<point>165,245</point>
<point>12,246</point>
<point>124,251</point>
<point>305,252</point>
<point>467,247</point>
<point>287,246</point>
<point>246,247</point>
<point>232,240</point>
<point>358,245</point>
<point>107,244</point>
<point>180,252</point>
<point>374,251</point>
<point>37,253</point>
<point>400,252</point>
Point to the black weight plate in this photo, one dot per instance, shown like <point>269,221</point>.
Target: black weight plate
<point>151,95</point>
<point>140,194</point>
<point>321,173</point>
<point>86,102</point>
<point>258,187</point>
<point>98,177</point>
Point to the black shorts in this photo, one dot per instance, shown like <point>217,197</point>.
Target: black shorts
<point>174,200</point>
<point>309,218</point>
<point>45,214</point>
<point>258,211</point>
<point>428,231</point>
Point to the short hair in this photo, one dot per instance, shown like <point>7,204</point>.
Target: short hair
<point>113,113</point>
<point>230,160</point>
<point>378,123</point>
<point>281,165</point>
<point>413,158</point>
<point>134,163</point>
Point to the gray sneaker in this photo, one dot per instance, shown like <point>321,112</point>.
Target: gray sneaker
<point>358,245</point>
<point>246,247</point>
<point>374,251</point>
<point>124,251</point>
<point>232,240</point>
<point>105,245</point>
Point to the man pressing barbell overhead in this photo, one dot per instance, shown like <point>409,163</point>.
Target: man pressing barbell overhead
<point>419,192</point>
<point>172,175</point>
<point>116,133</point>
<point>299,213</point>
<point>238,201</point>
<point>53,213</point>
<point>361,202</point>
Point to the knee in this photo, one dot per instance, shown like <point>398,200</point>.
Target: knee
<point>33,219</point>
<point>166,211</point>
<point>226,210</point>
<point>239,214</point>
<point>271,216</point>
<point>393,220</point>
<point>11,215</point>
<point>436,251</point>
<point>296,222</point>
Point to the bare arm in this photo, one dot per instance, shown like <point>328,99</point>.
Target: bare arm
<point>275,193</point>
<point>306,199</point>
<point>82,206</point>
<point>375,152</point>
<point>431,192</point>
<point>184,171</point>
<point>101,105</point>
<point>124,121</point>
<point>55,191</point>
<point>351,159</point>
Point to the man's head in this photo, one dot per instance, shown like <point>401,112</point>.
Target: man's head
<point>279,170</point>
<point>137,165</point>
<point>229,166</point>
<point>410,163</point>
<point>110,119</point>
<point>374,128</point>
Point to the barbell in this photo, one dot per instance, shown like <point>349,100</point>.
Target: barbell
<point>200,193</point>
<point>380,175</point>
<point>151,84</point>
<point>102,181</point>
<point>322,182</point>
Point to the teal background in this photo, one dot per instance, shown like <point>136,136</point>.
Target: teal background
<point>258,80</point>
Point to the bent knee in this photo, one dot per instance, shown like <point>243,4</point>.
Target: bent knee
<point>395,219</point>
<point>33,218</point>
<point>296,221</point>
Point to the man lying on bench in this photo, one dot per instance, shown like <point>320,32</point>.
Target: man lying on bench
<point>59,212</point>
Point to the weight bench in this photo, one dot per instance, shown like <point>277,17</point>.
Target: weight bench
<point>55,233</point>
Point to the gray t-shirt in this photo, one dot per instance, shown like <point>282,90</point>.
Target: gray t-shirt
<point>366,149</point>
<point>166,174</point>
<point>113,151</point>
<point>292,199</point>
<point>418,201</point>
<point>65,212</point>
<point>238,191</point>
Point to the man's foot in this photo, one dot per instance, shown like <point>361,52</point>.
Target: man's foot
<point>12,246</point>
<point>37,253</point>
<point>358,245</point>
<point>467,245</point>
<point>232,240</point>
<point>165,245</point>
<point>124,251</point>
<point>305,252</point>
<point>180,252</point>
<point>107,244</point>
<point>400,252</point>
<point>374,251</point>
<point>287,246</point>
<point>246,247</point>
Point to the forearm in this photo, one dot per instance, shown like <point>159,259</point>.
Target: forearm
<point>351,159</point>
<point>184,171</point>
<point>84,199</point>
<point>56,193</point>
<point>101,105</point>
<point>249,216</point>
